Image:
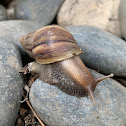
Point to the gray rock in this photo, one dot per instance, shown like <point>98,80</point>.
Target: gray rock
<point>122,17</point>
<point>14,29</point>
<point>11,31</point>
<point>101,50</point>
<point>11,83</point>
<point>56,108</point>
<point>3,15</point>
<point>40,11</point>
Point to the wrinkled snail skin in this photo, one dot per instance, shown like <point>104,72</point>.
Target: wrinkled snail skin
<point>57,61</point>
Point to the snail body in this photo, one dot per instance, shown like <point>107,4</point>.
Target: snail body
<point>57,60</point>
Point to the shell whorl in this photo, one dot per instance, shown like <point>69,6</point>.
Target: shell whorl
<point>53,43</point>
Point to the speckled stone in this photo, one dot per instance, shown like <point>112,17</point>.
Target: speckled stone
<point>101,50</point>
<point>122,17</point>
<point>40,11</point>
<point>11,83</point>
<point>56,108</point>
<point>3,15</point>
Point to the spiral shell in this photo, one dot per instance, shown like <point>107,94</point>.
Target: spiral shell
<point>53,43</point>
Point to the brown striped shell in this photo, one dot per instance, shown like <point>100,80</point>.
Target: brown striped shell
<point>53,43</point>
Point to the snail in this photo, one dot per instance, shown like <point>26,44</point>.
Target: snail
<point>57,60</point>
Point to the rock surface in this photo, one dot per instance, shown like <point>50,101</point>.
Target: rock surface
<point>11,31</point>
<point>40,11</point>
<point>122,17</point>
<point>3,15</point>
<point>56,108</point>
<point>100,13</point>
<point>11,83</point>
<point>101,50</point>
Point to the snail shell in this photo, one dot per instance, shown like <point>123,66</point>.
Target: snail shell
<point>51,44</point>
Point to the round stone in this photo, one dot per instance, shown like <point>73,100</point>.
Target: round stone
<point>99,13</point>
<point>57,108</point>
<point>102,51</point>
<point>11,83</point>
<point>39,11</point>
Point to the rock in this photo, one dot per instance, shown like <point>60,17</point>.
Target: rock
<point>56,108</point>
<point>122,17</point>
<point>11,31</point>
<point>11,83</point>
<point>11,10</point>
<point>3,15</point>
<point>102,51</point>
<point>40,11</point>
<point>99,13</point>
